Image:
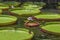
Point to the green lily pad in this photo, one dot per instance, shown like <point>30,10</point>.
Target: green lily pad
<point>34,3</point>
<point>41,4</point>
<point>47,23</point>
<point>15,35</point>
<point>6,19</point>
<point>3,6</point>
<point>55,28</point>
<point>25,12</point>
<point>48,16</point>
<point>9,3</point>
<point>31,5</point>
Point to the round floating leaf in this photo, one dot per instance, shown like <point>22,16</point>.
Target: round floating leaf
<point>6,19</point>
<point>40,3</point>
<point>55,28</point>
<point>33,5</point>
<point>30,5</point>
<point>25,12</point>
<point>48,16</point>
<point>9,3</point>
<point>15,35</point>
<point>3,6</point>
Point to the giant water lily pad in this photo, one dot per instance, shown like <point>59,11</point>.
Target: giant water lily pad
<point>48,16</point>
<point>9,3</point>
<point>55,22</point>
<point>41,4</point>
<point>6,19</point>
<point>15,34</point>
<point>25,12</point>
<point>31,5</point>
<point>52,28</point>
<point>3,6</point>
